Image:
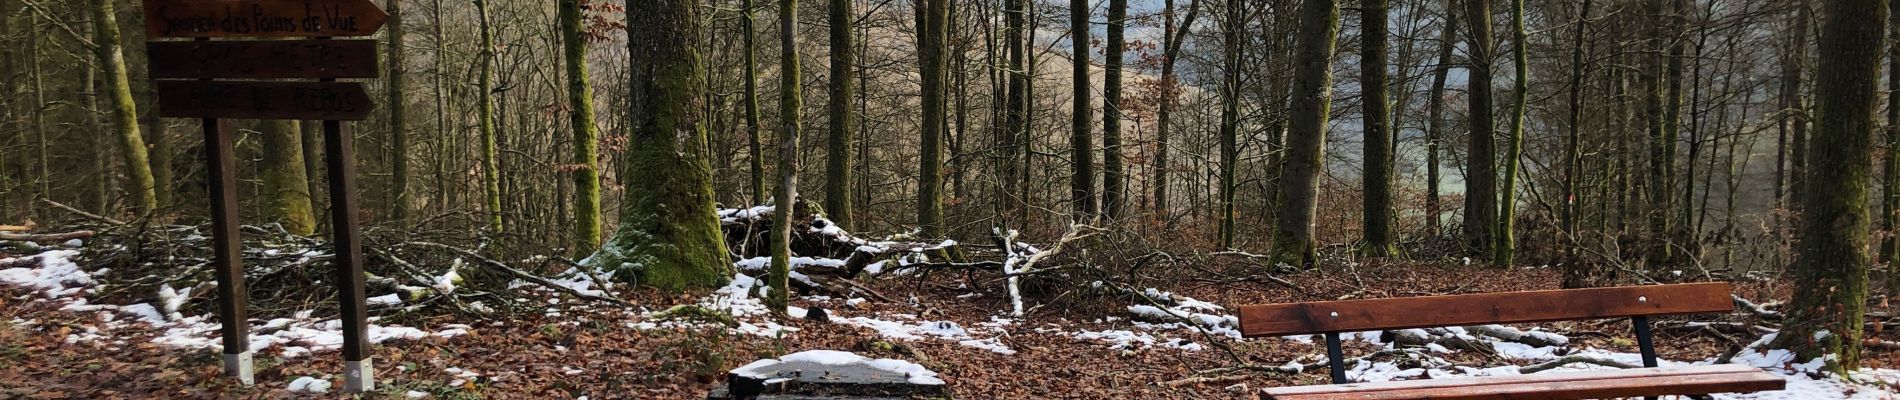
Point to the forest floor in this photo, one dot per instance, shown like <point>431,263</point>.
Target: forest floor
<point>54,344</point>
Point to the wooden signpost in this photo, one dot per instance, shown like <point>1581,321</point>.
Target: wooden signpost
<point>217,79</point>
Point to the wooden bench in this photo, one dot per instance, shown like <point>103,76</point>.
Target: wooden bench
<point>1636,303</point>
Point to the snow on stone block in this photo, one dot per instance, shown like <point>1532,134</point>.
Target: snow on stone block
<point>833,372</point>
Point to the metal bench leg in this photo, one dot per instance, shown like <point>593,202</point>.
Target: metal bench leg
<point>1335,358</point>
<point>1645,340</point>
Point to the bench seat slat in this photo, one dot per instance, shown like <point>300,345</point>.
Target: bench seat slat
<point>1635,382</point>
<point>1486,308</point>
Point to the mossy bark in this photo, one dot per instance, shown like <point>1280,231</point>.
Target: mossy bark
<point>585,160</point>
<point>1377,201</point>
<point>1827,313</point>
<point>491,167</point>
<point>838,204</point>
<point>124,115</point>
<point>1505,250</point>
<point>934,65</point>
<point>1311,103</point>
<point>669,234</point>
<point>790,102</point>
<point>286,192</point>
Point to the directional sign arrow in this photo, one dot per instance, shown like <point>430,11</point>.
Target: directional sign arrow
<point>334,101</point>
<point>263,59</point>
<point>262,18</point>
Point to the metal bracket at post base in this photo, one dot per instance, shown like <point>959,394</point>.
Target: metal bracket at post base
<point>240,366</point>
<point>359,376</point>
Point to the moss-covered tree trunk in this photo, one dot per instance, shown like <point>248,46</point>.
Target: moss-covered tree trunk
<point>580,101</point>
<point>491,167</point>
<point>934,65</point>
<point>1114,183</point>
<point>1826,315</point>
<point>669,233</point>
<point>1435,120</point>
<point>286,192</point>
<point>1378,143</point>
<point>124,115</point>
<point>790,101</point>
<point>1481,201</point>
<point>838,204</point>
<point>1504,252</point>
<point>1311,101</point>
<point>398,115</point>
<point>1081,142</point>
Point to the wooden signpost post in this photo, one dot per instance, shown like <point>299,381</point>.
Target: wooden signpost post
<point>215,80</point>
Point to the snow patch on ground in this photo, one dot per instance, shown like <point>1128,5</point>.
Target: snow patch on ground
<point>53,274</point>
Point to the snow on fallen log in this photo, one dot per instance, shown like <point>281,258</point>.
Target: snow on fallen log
<point>1167,309</point>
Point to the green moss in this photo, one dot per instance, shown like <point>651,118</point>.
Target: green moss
<point>286,184</point>
<point>669,234</point>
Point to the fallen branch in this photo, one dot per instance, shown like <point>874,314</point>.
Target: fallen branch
<point>523,275</point>
<point>1760,310</point>
<point>46,237</point>
<point>75,211</point>
<point>1574,359</point>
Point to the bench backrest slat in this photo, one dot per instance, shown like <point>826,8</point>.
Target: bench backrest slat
<point>1486,308</point>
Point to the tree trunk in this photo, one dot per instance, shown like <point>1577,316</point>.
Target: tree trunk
<point>838,204</point>
<point>790,101</point>
<point>1435,123</point>
<point>586,157</point>
<point>1014,134</point>
<point>754,144</point>
<point>286,192</point>
<point>1505,250</point>
<point>1378,131</point>
<point>491,167</point>
<point>1082,176</point>
<point>398,117</point>
<point>1890,195</point>
<point>1481,207</point>
<point>138,168</point>
<point>1173,35</point>
<point>933,65</point>
<point>1233,50</point>
<point>1576,274</point>
<point>1306,132</point>
<point>669,235</point>
<point>1114,184</point>
<point>1832,257</point>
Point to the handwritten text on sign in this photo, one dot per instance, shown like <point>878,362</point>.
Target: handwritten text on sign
<point>262,18</point>
<point>334,101</point>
